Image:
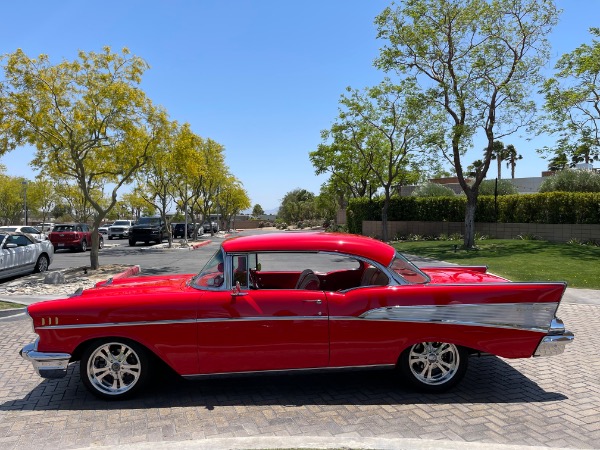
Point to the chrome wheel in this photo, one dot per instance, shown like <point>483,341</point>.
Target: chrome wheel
<point>42,264</point>
<point>114,369</point>
<point>434,366</point>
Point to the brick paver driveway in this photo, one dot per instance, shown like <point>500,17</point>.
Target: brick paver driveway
<point>552,402</point>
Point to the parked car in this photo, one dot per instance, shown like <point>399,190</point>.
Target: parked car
<point>179,230</point>
<point>73,236</point>
<point>293,301</point>
<point>148,229</point>
<point>207,226</point>
<point>33,231</point>
<point>45,227</point>
<point>120,229</point>
<point>20,254</point>
<point>103,229</point>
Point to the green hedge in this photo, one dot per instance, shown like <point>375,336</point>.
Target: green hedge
<point>551,207</point>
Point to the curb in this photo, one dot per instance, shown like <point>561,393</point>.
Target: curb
<point>133,270</point>
<point>199,244</point>
<point>12,311</point>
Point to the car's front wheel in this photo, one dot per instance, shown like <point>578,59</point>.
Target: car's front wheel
<point>100,242</point>
<point>83,246</point>
<point>42,264</point>
<point>114,369</point>
<point>433,366</point>
<point>131,243</point>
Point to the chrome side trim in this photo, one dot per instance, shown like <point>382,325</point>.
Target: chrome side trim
<point>275,371</point>
<point>183,321</point>
<point>526,316</point>
<point>522,316</point>
<point>115,324</point>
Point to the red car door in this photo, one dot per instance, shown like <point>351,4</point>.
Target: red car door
<point>264,329</point>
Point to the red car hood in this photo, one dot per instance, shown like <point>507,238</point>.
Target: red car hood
<point>140,285</point>
<point>461,275</point>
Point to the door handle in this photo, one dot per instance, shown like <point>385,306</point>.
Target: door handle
<point>318,302</point>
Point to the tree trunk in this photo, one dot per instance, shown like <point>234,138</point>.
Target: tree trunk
<point>469,239</point>
<point>384,217</point>
<point>94,251</point>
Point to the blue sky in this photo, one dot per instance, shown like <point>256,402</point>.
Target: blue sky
<point>261,77</point>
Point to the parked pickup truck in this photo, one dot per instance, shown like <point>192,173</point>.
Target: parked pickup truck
<point>148,229</point>
<point>120,229</point>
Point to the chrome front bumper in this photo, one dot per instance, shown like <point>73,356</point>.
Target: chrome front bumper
<point>47,365</point>
<point>556,339</point>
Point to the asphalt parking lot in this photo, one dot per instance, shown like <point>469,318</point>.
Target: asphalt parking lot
<point>549,402</point>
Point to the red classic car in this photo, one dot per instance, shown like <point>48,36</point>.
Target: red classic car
<point>279,302</point>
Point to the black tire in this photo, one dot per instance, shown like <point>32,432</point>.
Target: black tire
<point>114,369</point>
<point>433,366</point>
<point>42,264</point>
<point>83,246</point>
<point>109,237</point>
<point>100,243</point>
<point>131,243</point>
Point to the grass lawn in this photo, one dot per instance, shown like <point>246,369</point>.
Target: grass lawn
<point>7,305</point>
<point>520,260</point>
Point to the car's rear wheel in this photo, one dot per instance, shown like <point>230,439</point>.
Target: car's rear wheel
<point>433,366</point>
<point>42,264</point>
<point>114,369</point>
<point>83,246</point>
<point>109,237</point>
<point>131,243</point>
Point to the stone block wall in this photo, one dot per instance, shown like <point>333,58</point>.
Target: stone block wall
<point>547,232</point>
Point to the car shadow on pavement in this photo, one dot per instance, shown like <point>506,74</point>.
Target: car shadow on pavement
<point>488,380</point>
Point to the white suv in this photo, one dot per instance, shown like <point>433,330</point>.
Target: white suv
<point>120,229</point>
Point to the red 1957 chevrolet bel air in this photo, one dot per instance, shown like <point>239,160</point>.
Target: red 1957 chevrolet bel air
<point>295,301</point>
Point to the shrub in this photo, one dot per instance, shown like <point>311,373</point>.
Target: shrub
<point>433,190</point>
<point>505,187</point>
<point>572,181</point>
<point>552,208</point>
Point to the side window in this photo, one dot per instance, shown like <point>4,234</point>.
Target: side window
<point>305,271</point>
<point>240,270</point>
<point>20,240</point>
<point>85,228</point>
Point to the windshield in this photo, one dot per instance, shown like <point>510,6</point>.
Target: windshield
<point>407,270</point>
<point>8,229</point>
<point>149,221</point>
<point>213,273</point>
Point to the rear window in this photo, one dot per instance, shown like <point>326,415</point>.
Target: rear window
<point>8,229</point>
<point>64,228</point>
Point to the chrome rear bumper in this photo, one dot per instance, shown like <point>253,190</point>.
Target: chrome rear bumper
<point>555,341</point>
<point>47,365</point>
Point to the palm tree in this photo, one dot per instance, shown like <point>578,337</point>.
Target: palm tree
<point>511,158</point>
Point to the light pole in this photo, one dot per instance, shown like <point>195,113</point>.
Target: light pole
<point>24,183</point>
